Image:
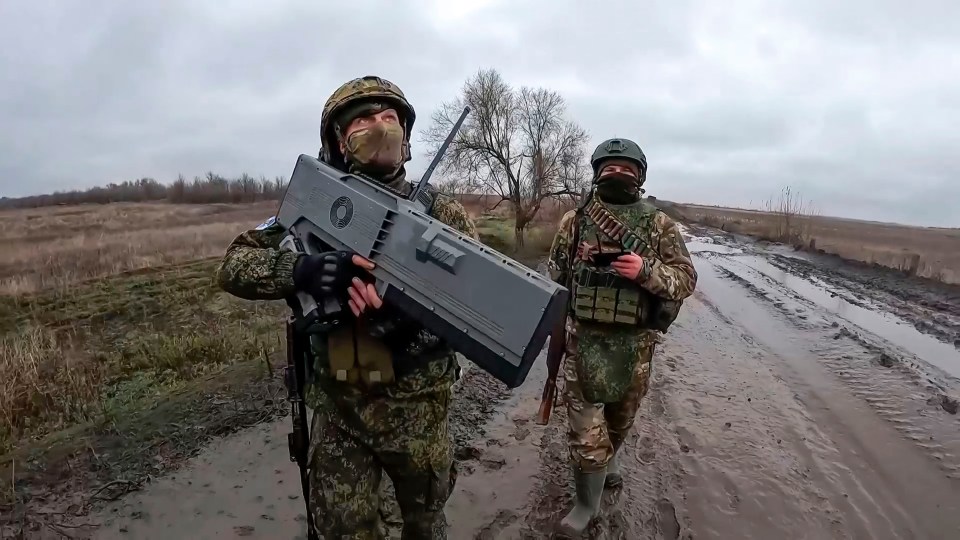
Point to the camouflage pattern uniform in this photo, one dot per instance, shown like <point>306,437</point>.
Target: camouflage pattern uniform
<point>608,366</point>
<point>360,430</point>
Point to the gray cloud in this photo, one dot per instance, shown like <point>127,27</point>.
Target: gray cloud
<point>854,104</point>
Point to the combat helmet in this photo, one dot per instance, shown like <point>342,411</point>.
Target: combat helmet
<point>619,149</point>
<point>366,88</point>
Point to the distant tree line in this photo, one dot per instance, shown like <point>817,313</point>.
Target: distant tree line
<point>211,188</point>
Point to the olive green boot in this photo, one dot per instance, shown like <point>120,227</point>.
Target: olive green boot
<point>589,493</point>
<point>613,478</point>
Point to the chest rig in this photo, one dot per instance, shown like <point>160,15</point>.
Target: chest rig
<point>600,294</point>
<point>383,345</point>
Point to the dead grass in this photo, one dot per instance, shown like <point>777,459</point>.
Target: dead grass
<point>486,205</point>
<point>495,227</point>
<point>497,232</point>
<point>931,253</point>
<point>55,247</point>
<point>110,310</point>
<point>83,340</point>
<point>120,356</point>
<point>94,352</point>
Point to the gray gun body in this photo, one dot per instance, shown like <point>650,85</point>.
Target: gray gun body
<point>490,308</point>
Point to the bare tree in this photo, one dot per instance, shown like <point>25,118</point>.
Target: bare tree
<point>454,186</point>
<point>515,144</point>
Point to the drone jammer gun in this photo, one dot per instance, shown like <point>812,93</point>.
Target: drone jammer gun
<point>485,305</point>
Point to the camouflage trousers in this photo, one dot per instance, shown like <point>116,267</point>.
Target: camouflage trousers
<point>596,430</point>
<point>356,437</point>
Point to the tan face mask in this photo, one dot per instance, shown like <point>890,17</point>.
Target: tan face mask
<point>377,150</point>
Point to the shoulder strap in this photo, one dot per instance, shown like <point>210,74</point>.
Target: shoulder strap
<point>574,243</point>
<point>614,228</point>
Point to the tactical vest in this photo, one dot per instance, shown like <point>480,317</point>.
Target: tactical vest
<point>385,345</point>
<point>600,294</point>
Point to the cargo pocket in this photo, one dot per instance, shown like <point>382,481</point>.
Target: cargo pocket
<point>606,364</point>
<point>374,360</point>
<point>342,355</point>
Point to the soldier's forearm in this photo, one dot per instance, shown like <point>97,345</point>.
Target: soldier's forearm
<point>669,273</point>
<point>671,281</point>
<point>257,273</point>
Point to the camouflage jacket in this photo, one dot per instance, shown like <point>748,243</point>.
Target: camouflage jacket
<point>255,268</point>
<point>670,275</point>
<point>605,357</point>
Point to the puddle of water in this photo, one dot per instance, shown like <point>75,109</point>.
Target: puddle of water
<point>702,246</point>
<point>705,244</point>
<point>885,325</point>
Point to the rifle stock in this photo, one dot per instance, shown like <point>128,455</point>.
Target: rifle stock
<point>558,336</point>
<point>298,441</point>
<point>555,350</point>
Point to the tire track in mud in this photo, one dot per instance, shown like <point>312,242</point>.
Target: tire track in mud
<point>830,369</point>
<point>742,435</point>
<point>754,456</point>
<point>896,386</point>
<point>932,307</point>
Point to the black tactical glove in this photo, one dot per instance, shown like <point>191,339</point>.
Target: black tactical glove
<point>325,276</point>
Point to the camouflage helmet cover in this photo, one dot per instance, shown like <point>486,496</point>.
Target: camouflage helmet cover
<point>366,88</point>
<point>619,149</point>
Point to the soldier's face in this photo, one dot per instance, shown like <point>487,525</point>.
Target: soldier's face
<point>617,183</point>
<point>386,116</point>
<point>375,142</point>
<point>616,169</point>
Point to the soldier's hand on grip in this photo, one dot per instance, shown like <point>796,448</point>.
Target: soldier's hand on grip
<point>336,274</point>
<point>628,265</point>
<point>362,294</point>
<point>324,274</point>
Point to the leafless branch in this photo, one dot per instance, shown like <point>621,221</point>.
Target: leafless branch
<point>516,143</point>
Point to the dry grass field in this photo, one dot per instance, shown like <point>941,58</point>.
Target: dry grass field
<point>925,252</point>
<point>115,339</point>
<point>52,247</point>
<point>103,311</point>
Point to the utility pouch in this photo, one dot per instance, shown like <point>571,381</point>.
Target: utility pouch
<point>356,357</point>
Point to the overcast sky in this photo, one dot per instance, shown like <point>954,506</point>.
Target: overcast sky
<point>855,104</point>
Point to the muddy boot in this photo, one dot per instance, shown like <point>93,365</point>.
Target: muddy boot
<point>613,478</point>
<point>589,492</point>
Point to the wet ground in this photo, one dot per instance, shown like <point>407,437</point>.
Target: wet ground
<point>795,397</point>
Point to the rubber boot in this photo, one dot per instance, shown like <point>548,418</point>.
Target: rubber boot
<point>587,503</point>
<point>613,478</point>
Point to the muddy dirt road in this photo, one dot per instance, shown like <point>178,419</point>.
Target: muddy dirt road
<point>794,398</point>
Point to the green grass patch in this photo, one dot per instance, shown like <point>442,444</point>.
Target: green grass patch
<point>498,233</point>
